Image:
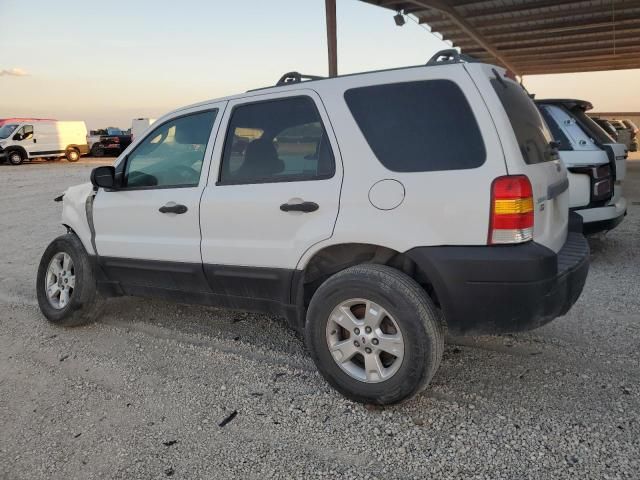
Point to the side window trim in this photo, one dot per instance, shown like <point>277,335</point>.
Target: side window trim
<point>227,123</point>
<point>121,167</point>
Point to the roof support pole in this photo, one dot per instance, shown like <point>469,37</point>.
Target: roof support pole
<point>444,7</point>
<point>332,37</point>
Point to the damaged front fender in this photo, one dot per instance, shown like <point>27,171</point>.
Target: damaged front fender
<point>77,210</point>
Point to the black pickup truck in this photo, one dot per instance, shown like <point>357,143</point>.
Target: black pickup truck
<point>108,141</point>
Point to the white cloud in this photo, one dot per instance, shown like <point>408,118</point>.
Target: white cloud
<point>13,72</point>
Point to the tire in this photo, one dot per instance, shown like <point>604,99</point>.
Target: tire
<point>409,310</point>
<point>84,303</point>
<point>97,152</point>
<point>72,155</point>
<point>15,157</point>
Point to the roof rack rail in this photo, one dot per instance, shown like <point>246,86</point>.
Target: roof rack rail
<point>295,77</point>
<point>449,56</point>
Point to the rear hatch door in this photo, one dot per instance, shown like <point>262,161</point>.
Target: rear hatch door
<point>529,150</point>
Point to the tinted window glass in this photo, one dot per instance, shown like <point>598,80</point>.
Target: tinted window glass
<point>172,154</point>
<point>276,141</point>
<point>418,126</point>
<point>24,133</point>
<point>556,131</point>
<point>592,128</point>
<point>532,134</point>
<point>7,130</point>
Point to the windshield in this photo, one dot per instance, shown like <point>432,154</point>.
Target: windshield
<point>114,131</point>
<point>7,130</point>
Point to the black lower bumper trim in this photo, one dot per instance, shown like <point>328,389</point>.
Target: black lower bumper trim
<point>500,289</point>
<point>603,225</point>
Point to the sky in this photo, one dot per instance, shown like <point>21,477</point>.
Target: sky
<point>108,62</point>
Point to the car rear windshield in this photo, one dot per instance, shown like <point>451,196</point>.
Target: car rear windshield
<point>533,137</point>
<point>558,135</point>
<point>422,126</point>
<point>596,131</point>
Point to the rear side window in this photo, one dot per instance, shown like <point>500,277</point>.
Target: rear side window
<point>276,141</point>
<point>533,137</point>
<point>420,126</point>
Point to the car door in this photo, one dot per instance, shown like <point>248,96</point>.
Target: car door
<point>148,230</point>
<point>273,192</point>
<point>24,137</point>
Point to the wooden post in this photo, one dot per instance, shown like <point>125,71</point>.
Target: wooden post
<point>332,37</point>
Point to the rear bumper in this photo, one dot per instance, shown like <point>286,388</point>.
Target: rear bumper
<point>500,289</point>
<point>604,218</point>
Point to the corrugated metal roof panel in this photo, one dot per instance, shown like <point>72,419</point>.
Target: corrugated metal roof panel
<point>536,36</point>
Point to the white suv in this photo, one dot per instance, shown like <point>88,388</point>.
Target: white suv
<point>372,211</point>
<point>597,164</point>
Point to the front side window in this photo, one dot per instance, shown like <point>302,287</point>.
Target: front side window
<point>422,126</point>
<point>276,141</point>
<point>171,155</point>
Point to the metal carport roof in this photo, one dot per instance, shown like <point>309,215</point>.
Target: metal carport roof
<point>536,36</point>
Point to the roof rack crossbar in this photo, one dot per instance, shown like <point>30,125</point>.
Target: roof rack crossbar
<point>448,56</point>
<point>295,77</point>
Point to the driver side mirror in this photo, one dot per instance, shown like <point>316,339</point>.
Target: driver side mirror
<point>104,177</point>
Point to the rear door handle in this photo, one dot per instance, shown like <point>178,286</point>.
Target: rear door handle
<point>173,208</point>
<point>299,207</point>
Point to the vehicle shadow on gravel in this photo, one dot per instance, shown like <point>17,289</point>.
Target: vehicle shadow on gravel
<point>521,371</point>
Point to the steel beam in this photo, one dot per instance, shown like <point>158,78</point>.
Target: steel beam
<point>332,37</point>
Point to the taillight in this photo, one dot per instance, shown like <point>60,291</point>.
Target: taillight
<point>511,219</point>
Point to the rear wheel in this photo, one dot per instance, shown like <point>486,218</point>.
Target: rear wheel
<point>66,284</point>
<point>374,334</point>
<point>15,157</point>
<point>72,155</point>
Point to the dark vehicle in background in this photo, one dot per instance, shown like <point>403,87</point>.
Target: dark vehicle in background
<point>109,140</point>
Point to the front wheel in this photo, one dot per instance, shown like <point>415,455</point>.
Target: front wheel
<point>66,284</point>
<point>16,157</point>
<point>374,334</point>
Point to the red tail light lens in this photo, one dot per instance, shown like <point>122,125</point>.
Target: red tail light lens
<point>511,219</point>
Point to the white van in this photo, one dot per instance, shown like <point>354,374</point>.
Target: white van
<point>596,163</point>
<point>139,125</point>
<point>21,141</point>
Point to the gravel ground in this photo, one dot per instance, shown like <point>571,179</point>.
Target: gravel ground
<point>143,392</point>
